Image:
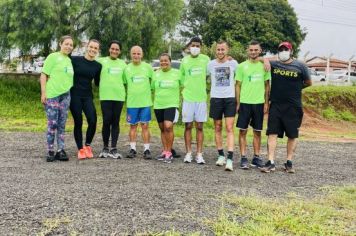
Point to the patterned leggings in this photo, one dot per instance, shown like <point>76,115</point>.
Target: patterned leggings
<point>57,113</point>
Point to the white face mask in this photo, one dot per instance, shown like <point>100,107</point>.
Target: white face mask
<point>284,56</point>
<point>194,51</point>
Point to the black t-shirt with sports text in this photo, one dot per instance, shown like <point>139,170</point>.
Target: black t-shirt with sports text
<point>287,82</point>
<point>84,73</point>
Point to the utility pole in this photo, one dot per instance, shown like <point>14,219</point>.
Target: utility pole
<point>305,56</point>
<point>349,68</point>
<point>328,68</point>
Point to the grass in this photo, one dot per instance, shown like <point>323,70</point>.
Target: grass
<point>21,110</point>
<point>331,213</point>
<point>334,213</point>
<point>332,102</point>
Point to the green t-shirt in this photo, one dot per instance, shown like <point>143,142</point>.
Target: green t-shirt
<point>166,86</point>
<point>252,77</point>
<point>137,78</point>
<point>111,85</point>
<point>59,69</point>
<point>193,71</point>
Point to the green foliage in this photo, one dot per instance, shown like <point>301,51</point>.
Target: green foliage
<point>332,102</point>
<point>269,22</point>
<point>134,22</point>
<point>195,16</point>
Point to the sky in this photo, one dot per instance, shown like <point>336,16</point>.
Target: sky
<point>331,27</point>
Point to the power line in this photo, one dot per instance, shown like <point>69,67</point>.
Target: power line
<point>327,22</point>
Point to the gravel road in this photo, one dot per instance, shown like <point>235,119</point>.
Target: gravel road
<point>126,196</point>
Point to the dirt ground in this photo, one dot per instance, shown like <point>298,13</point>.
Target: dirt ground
<point>123,197</point>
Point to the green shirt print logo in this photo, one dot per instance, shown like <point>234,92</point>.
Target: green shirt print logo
<point>138,79</point>
<point>68,70</point>
<point>114,70</point>
<point>166,84</point>
<point>255,77</point>
<point>195,71</point>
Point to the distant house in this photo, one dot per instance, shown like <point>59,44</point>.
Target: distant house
<point>320,64</point>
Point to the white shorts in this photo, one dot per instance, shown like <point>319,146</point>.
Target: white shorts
<point>194,111</point>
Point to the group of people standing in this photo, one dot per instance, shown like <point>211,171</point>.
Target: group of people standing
<point>66,82</point>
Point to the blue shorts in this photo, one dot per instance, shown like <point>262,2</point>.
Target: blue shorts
<point>138,115</point>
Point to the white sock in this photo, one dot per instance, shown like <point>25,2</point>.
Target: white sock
<point>189,154</point>
<point>272,161</point>
<point>133,145</point>
<point>199,154</point>
<point>146,146</point>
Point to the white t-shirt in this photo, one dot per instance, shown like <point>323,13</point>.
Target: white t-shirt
<point>222,78</point>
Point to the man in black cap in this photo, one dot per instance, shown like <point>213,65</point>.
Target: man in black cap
<point>285,115</point>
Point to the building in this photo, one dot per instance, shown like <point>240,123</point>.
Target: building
<point>320,64</point>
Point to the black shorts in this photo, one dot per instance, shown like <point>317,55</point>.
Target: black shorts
<point>284,118</point>
<point>168,114</point>
<point>220,107</point>
<point>250,114</point>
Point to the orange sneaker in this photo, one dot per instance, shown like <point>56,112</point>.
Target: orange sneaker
<point>88,152</point>
<point>81,154</point>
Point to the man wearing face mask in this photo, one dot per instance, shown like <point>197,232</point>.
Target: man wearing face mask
<point>289,77</point>
<point>193,71</point>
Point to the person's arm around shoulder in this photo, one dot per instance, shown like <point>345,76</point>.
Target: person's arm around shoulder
<point>306,77</point>
<point>238,78</point>
<point>97,75</point>
<point>267,91</point>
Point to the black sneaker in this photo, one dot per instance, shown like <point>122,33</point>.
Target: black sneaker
<point>268,167</point>
<point>114,154</point>
<point>244,163</point>
<point>132,153</point>
<point>61,156</point>
<point>50,156</point>
<point>288,167</point>
<point>147,154</point>
<point>160,157</point>
<point>175,154</point>
<point>104,153</point>
<point>257,162</point>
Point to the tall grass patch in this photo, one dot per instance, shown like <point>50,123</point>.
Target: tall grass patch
<point>331,214</point>
<point>332,102</point>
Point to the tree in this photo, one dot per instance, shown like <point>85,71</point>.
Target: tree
<point>141,22</point>
<point>195,16</point>
<point>240,21</point>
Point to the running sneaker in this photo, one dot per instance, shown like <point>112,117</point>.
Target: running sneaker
<point>147,154</point>
<point>104,153</point>
<point>168,157</point>
<point>61,155</point>
<point>229,165</point>
<point>81,154</point>
<point>257,162</point>
<point>50,156</point>
<point>244,163</point>
<point>161,156</point>
<point>188,158</point>
<point>88,151</point>
<point>114,154</point>
<point>200,160</point>
<point>221,161</point>
<point>175,154</point>
<point>132,153</point>
<point>268,167</point>
<point>288,167</point>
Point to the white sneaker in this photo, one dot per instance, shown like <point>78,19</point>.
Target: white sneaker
<point>200,160</point>
<point>221,161</point>
<point>188,158</point>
